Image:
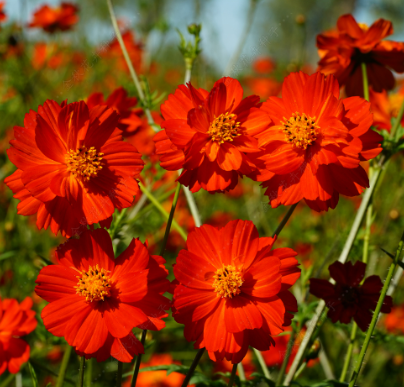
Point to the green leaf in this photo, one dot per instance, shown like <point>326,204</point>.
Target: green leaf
<point>260,378</point>
<point>33,375</point>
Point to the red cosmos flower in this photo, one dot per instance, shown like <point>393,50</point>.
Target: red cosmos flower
<point>394,322</point>
<point>210,135</point>
<point>385,107</point>
<point>315,143</point>
<point>349,299</point>
<point>343,50</point>
<point>61,18</point>
<point>73,167</point>
<point>232,290</point>
<point>3,16</point>
<point>95,300</point>
<point>118,100</point>
<point>264,65</point>
<point>16,320</point>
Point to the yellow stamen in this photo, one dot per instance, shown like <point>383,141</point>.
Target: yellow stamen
<point>84,163</point>
<point>224,128</point>
<point>300,130</point>
<point>94,284</point>
<point>227,281</point>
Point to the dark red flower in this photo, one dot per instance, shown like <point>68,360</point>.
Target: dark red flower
<point>347,298</point>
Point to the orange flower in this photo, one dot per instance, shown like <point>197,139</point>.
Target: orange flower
<point>394,321</point>
<point>385,107</point>
<point>263,86</point>
<point>73,167</point>
<point>129,120</point>
<point>232,290</point>
<point>3,16</point>
<point>157,378</point>
<point>210,135</point>
<point>94,301</point>
<point>316,141</point>
<point>16,320</point>
<point>113,51</point>
<point>55,19</point>
<point>343,50</point>
<point>48,55</point>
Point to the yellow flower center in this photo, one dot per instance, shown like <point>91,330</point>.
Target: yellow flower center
<point>300,130</point>
<point>224,128</point>
<point>84,163</point>
<point>94,284</point>
<point>227,281</point>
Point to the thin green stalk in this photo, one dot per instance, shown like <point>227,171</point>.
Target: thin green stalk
<point>398,121</point>
<point>300,370</point>
<point>117,222</point>
<point>170,218</point>
<point>192,368</point>
<point>379,305</point>
<point>132,71</point>
<point>163,211</point>
<point>232,376</point>
<point>349,352</point>
<point>240,370</point>
<point>89,372</point>
<point>285,220</point>
<point>63,366</point>
<point>81,372</point>
<point>8,380</point>
<point>261,360</point>
<point>119,374</point>
<point>286,358</point>
<point>244,36</point>
<point>138,361</point>
<point>311,327</point>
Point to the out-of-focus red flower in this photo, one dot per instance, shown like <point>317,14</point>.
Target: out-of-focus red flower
<point>129,118</point>
<point>112,50</point>
<point>247,362</point>
<point>60,18</point>
<point>385,107</point>
<point>264,65</point>
<point>263,86</point>
<point>315,143</point>
<point>158,378</point>
<point>219,219</point>
<point>3,16</point>
<point>55,354</point>
<point>349,299</point>
<point>94,302</point>
<point>73,167</point>
<point>210,135</point>
<point>343,50</point>
<point>48,54</point>
<point>233,295</point>
<point>394,321</point>
<point>6,276</point>
<point>16,320</point>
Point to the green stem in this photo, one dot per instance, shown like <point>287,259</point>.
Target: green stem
<point>285,220</point>
<point>261,360</point>
<point>192,368</point>
<point>286,358</point>
<point>132,71</point>
<point>6,382</point>
<point>232,376</point>
<point>117,222</point>
<point>379,305</point>
<point>241,373</point>
<point>300,370</point>
<point>89,372</point>
<point>311,327</point>
<point>163,211</point>
<point>81,372</point>
<point>170,218</point>
<point>349,352</point>
<point>398,121</point>
<point>63,366</point>
<point>119,374</point>
<point>365,82</point>
<point>138,361</point>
